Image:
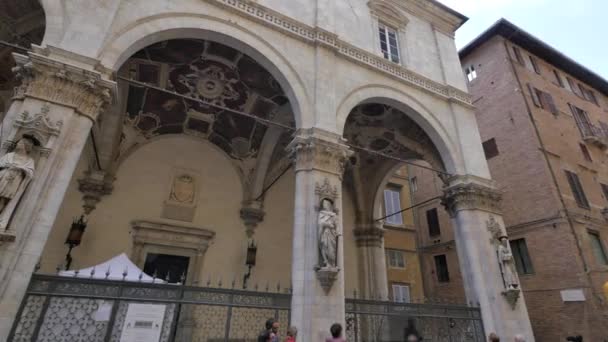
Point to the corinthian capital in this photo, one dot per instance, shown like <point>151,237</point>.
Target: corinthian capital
<point>54,81</point>
<point>315,149</point>
<point>470,192</point>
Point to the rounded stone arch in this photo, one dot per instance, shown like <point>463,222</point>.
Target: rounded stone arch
<point>401,101</point>
<point>54,12</point>
<point>130,151</point>
<point>151,30</point>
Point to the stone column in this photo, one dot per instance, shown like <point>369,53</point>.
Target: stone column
<point>60,103</point>
<point>473,204</point>
<point>370,241</point>
<point>318,292</point>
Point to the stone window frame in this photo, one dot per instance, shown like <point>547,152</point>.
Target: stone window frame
<point>401,284</point>
<point>384,13</point>
<point>166,238</point>
<point>388,259</point>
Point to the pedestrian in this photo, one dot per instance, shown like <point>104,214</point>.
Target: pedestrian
<point>519,338</point>
<point>412,338</point>
<point>292,332</point>
<point>493,338</point>
<point>264,335</point>
<point>336,333</point>
<point>274,332</point>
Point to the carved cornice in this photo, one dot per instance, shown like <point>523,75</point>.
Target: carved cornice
<point>469,192</point>
<point>162,234</point>
<point>50,80</point>
<point>371,235</point>
<point>318,36</point>
<point>314,149</point>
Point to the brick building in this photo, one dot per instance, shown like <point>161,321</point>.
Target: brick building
<point>542,119</point>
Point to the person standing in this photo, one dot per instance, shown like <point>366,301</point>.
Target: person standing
<point>519,338</point>
<point>292,332</point>
<point>493,338</point>
<point>336,333</point>
<point>274,332</point>
<point>264,335</point>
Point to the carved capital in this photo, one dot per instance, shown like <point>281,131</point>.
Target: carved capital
<point>370,235</point>
<point>51,80</point>
<point>470,192</point>
<point>93,187</point>
<point>252,214</point>
<point>314,149</point>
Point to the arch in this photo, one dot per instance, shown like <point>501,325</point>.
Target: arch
<point>168,26</point>
<point>418,113</point>
<point>54,12</point>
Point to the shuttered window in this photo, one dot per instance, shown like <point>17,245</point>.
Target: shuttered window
<point>604,191</point>
<point>441,267</point>
<point>574,87</point>
<point>535,65</point>
<point>582,120</point>
<point>598,248</point>
<point>558,78</point>
<point>585,152</point>
<point>577,190</point>
<point>542,99</point>
<point>396,259</point>
<point>517,53</point>
<point>392,205</point>
<point>401,293</point>
<point>432,220</point>
<point>523,263</point>
<point>490,149</point>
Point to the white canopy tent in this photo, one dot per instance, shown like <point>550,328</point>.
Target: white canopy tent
<point>119,267</point>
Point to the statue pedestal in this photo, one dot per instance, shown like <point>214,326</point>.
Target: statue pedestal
<point>7,236</point>
<point>327,276</point>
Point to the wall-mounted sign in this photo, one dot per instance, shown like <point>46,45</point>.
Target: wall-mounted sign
<point>143,323</point>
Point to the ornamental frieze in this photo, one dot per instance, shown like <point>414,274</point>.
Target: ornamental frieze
<point>312,152</point>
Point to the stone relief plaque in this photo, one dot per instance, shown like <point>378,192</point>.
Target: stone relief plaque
<point>182,196</point>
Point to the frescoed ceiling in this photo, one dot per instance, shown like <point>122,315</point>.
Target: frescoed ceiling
<point>220,76</point>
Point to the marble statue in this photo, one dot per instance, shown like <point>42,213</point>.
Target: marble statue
<point>16,172</point>
<point>508,264</point>
<point>328,234</point>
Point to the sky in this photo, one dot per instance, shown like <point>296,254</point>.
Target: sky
<point>577,28</point>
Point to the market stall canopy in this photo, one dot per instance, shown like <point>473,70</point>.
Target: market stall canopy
<point>119,267</point>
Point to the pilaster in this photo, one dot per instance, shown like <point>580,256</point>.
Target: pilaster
<point>318,285</point>
<point>370,242</point>
<point>490,280</point>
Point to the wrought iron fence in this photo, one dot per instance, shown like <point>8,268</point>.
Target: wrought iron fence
<point>59,309</point>
<point>381,321</point>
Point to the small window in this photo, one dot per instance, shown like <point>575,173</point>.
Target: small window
<point>414,184</point>
<point>604,191</point>
<point>518,56</point>
<point>521,256</point>
<point>586,153</point>
<point>588,94</point>
<point>534,64</point>
<point>574,87</point>
<point>581,118</point>
<point>389,43</point>
<point>401,293</point>
<point>542,99</point>
<point>558,78</point>
<point>396,259</point>
<point>598,248</point>
<point>392,205</point>
<point>577,190</point>
<point>490,149</point>
<point>471,73</point>
<point>432,220</point>
<point>441,267</point>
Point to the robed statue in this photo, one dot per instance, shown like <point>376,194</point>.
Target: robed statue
<point>508,264</point>
<point>328,234</point>
<point>16,172</point>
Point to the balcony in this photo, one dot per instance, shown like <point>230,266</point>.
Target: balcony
<point>594,135</point>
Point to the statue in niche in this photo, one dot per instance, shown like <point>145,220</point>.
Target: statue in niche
<point>16,171</point>
<point>183,189</point>
<point>507,263</point>
<point>328,234</point>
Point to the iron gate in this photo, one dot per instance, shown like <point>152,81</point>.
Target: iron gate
<point>380,321</point>
<point>59,309</point>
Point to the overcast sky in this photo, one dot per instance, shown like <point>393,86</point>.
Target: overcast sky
<point>577,28</point>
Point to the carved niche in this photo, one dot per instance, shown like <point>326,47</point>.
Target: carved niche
<point>329,233</point>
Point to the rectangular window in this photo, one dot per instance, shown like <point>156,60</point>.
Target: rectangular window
<point>598,248</point>
<point>392,205</point>
<point>401,293</point>
<point>582,120</point>
<point>577,190</point>
<point>432,219</point>
<point>534,64</point>
<point>414,184</point>
<point>441,267</point>
<point>471,73</point>
<point>490,149</point>
<point>171,268</point>
<point>396,259</point>
<point>518,56</point>
<point>574,87</point>
<point>558,78</point>
<point>542,99</point>
<point>389,43</point>
<point>588,94</point>
<point>586,153</point>
<point>523,263</point>
<point>604,191</point>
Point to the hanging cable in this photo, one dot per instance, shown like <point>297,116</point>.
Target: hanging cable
<point>265,121</point>
<point>408,208</point>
